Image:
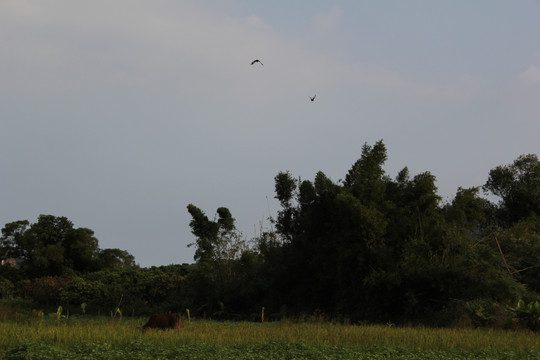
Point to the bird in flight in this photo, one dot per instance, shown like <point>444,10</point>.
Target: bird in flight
<point>256,61</point>
<point>313,98</point>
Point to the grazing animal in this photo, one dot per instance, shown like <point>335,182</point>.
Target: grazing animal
<point>256,61</point>
<point>163,321</point>
<point>313,98</point>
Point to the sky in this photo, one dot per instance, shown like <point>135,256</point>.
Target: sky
<point>118,114</point>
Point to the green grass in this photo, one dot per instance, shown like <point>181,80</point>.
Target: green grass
<point>103,338</point>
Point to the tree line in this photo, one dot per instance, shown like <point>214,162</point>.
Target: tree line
<point>367,248</point>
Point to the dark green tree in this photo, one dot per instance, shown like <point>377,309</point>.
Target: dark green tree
<point>11,242</point>
<point>378,249</point>
<point>332,232</point>
<point>206,232</point>
<point>219,249</point>
<point>81,250</point>
<point>53,247</point>
<point>43,245</point>
<point>518,186</point>
<point>518,250</point>
<point>285,188</point>
<point>366,179</point>
<point>114,259</point>
<point>468,209</point>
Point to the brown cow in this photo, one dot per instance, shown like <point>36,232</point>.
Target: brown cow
<point>163,321</point>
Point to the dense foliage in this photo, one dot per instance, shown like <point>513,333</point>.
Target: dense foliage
<point>368,248</point>
<point>51,246</point>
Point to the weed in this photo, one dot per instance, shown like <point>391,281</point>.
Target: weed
<point>91,337</point>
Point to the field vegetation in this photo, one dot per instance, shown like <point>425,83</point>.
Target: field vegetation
<point>91,337</point>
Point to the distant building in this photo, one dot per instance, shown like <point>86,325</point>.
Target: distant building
<point>16,263</point>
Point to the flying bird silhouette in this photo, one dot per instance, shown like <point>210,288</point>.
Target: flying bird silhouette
<point>313,98</point>
<point>256,61</point>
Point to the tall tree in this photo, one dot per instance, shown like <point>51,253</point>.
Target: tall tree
<point>52,246</point>
<point>115,259</point>
<point>332,231</point>
<point>366,179</point>
<point>81,250</point>
<point>285,188</point>
<point>44,245</point>
<point>219,247</point>
<point>206,232</point>
<point>518,185</point>
<point>11,242</point>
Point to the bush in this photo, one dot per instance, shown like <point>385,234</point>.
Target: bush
<point>7,289</point>
<point>528,314</point>
<point>485,312</point>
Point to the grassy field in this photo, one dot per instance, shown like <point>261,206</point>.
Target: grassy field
<point>103,338</point>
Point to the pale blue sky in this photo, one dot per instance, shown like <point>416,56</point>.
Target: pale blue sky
<point>118,114</point>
